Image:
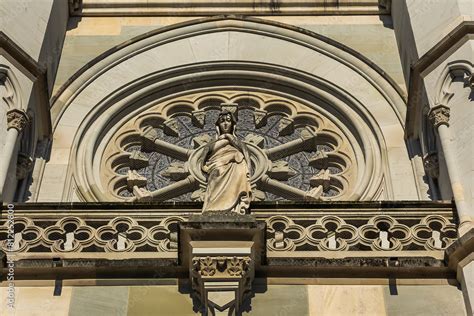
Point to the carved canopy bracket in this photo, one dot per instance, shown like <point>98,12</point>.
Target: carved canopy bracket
<point>221,252</point>
<point>222,283</point>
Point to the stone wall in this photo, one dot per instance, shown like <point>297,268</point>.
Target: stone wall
<point>371,36</point>
<point>305,300</point>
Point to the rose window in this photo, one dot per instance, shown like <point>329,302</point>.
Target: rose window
<point>296,153</point>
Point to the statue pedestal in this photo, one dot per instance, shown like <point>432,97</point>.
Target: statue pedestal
<point>221,251</point>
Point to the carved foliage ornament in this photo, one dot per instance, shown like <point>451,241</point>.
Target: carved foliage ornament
<point>439,115</point>
<point>17,119</point>
<point>221,266</point>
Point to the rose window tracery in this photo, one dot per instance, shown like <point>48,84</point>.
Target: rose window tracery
<point>296,153</point>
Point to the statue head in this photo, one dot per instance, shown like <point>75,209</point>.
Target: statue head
<point>226,122</point>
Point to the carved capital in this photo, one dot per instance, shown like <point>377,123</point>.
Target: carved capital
<point>431,164</point>
<point>439,115</point>
<point>222,282</point>
<point>17,119</point>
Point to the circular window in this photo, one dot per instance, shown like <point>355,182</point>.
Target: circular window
<point>296,152</point>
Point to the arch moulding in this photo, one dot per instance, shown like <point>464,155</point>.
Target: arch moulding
<point>316,75</point>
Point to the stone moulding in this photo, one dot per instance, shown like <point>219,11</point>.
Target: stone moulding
<point>242,7</point>
<point>345,54</point>
<point>360,235</point>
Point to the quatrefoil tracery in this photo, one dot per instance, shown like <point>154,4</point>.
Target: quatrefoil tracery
<point>24,232</point>
<point>69,234</point>
<point>383,232</point>
<point>434,232</point>
<point>121,234</point>
<point>332,233</point>
<point>165,235</point>
<point>295,155</point>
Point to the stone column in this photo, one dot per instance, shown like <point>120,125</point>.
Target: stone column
<point>17,120</point>
<point>439,117</point>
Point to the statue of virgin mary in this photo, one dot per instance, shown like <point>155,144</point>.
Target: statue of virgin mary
<point>226,163</point>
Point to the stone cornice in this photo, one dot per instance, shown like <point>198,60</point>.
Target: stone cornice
<point>460,249</point>
<point>423,64</point>
<point>242,7</point>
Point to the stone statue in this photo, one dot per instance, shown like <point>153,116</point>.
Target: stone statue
<point>226,163</point>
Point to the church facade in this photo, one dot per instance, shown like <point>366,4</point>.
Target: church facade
<point>351,136</point>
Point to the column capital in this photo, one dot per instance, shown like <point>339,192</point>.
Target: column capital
<point>17,119</point>
<point>439,115</point>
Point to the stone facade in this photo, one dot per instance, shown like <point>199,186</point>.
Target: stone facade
<point>357,116</point>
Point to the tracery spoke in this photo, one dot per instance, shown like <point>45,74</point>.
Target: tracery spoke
<point>163,147</point>
<point>288,192</point>
<point>166,193</point>
<point>304,142</point>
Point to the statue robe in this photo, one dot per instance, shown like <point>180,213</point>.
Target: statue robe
<point>228,185</point>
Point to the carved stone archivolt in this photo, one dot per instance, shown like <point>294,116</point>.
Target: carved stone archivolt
<point>295,153</point>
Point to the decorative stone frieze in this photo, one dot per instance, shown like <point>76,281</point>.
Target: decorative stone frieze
<point>404,229</point>
<point>17,119</point>
<point>439,115</point>
<point>431,164</point>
